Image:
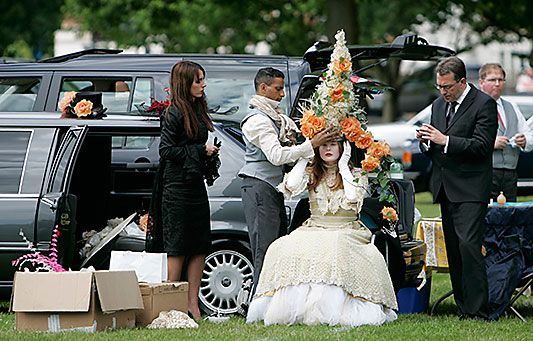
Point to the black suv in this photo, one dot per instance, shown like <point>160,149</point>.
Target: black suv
<point>78,173</point>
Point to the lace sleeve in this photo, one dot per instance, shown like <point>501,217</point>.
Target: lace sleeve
<point>295,182</point>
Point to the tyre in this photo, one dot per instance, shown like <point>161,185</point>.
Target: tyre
<point>225,271</point>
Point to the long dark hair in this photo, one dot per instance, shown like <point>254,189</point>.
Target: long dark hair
<point>318,170</point>
<point>193,109</point>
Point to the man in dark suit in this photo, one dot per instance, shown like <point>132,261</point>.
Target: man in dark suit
<point>459,142</point>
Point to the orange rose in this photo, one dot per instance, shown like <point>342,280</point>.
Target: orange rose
<point>364,141</point>
<point>67,99</point>
<point>83,108</point>
<point>379,149</point>
<point>353,136</point>
<point>350,124</point>
<point>337,94</point>
<point>342,65</point>
<point>318,123</point>
<point>370,163</point>
<point>308,131</point>
<point>389,214</point>
<point>305,118</point>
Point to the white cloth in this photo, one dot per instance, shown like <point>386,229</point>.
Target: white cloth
<point>326,271</point>
<point>287,127</point>
<point>523,128</point>
<point>259,131</point>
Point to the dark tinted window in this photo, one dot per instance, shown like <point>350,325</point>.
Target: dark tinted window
<point>13,148</point>
<point>18,94</point>
<point>116,92</point>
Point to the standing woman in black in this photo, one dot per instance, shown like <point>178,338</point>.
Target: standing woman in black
<point>183,151</point>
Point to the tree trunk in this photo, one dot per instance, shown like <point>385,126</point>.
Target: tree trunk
<point>342,14</point>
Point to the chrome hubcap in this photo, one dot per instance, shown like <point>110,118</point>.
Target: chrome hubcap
<point>223,275</point>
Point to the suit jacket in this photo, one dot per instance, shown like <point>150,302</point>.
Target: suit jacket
<point>465,170</point>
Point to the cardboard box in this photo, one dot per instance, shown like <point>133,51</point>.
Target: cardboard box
<point>86,301</point>
<point>158,297</point>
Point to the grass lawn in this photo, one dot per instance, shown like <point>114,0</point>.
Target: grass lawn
<point>443,326</point>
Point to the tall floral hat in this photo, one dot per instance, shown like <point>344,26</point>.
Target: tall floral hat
<point>82,104</point>
<point>334,103</point>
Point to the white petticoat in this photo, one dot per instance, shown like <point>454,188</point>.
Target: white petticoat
<point>312,303</point>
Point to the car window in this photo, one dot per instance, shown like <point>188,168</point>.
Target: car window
<point>132,142</point>
<point>142,93</point>
<point>116,92</point>
<point>228,95</point>
<point>62,161</point>
<point>13,150</point>
<point>526,109</point>
<point>18,94</point>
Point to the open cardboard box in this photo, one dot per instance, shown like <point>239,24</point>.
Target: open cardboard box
<point>74,300</point>
<point>158,297</point>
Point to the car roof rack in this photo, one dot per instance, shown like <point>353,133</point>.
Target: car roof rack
<point>65,57</point>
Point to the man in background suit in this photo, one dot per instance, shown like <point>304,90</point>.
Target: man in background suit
<point>460,141</point>
<point>514,135</point>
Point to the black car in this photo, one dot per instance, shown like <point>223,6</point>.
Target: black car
<point>78,173</point>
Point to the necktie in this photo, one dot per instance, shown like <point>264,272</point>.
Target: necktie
<point>500,120</point>
<point>450,112</point>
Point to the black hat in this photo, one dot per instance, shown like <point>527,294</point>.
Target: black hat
<point>95,98</point>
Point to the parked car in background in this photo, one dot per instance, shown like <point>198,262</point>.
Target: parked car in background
<point>417,166</point>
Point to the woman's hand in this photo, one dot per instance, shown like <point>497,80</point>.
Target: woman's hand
<point>211,149</point>
<point>345,157</point>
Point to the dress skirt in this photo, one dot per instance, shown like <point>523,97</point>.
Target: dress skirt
<point>186,218</point>
<point>324,274</point>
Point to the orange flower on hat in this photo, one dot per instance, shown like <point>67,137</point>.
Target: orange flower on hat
<point>364,140</point>
<point>311,124</point>
<point>351,128</point>
<point>337,94</point>
<point>379,149</point>
<point>389,214</point>
<point>83,108</point>
<point>370,163</point>
<point>342,65</point>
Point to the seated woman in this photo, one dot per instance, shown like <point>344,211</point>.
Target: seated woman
<point>326,271</point>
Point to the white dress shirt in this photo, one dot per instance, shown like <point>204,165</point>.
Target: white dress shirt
<point>523,128</point>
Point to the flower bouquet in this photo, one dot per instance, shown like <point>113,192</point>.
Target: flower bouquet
<point>334,103</point>
<point>87,105</point>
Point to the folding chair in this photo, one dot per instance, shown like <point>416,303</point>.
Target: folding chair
<point>525,283</point>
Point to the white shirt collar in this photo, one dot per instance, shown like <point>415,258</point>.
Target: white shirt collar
<point>463,95</point>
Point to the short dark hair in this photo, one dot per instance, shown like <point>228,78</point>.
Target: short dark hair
<point>266,75</point>
<point>488,67</point>
<point>452,65</point>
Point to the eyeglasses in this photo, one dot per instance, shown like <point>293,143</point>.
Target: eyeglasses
<point>494,80</point>
<point>445,87</point>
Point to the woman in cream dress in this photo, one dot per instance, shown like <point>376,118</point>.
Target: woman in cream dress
<point>326,271</point>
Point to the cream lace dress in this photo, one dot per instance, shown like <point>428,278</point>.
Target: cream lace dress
<point>326,271</point>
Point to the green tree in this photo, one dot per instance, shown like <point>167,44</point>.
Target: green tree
<point>29,23</point>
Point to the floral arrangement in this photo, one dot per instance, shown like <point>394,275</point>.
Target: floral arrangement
<point>334,103</point>
<point>36,261</point>
<point>158,107</point>
<point>81,109</point>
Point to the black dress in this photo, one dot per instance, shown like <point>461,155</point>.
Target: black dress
<point>184,204</point>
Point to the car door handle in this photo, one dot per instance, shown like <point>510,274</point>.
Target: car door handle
<point>51,203</point>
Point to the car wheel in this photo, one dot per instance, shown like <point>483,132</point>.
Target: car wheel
<point>225,271</point>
